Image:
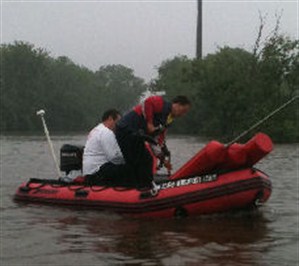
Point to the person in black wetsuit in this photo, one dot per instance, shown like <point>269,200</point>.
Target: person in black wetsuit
<point>146,121</point>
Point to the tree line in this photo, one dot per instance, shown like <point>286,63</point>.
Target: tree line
<point>230,90</point>
<point>73,96</point>
<point>233,89</point>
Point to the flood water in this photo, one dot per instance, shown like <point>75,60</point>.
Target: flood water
<point>47,235</point>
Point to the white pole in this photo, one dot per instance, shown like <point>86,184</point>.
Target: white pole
<point>41,114</point>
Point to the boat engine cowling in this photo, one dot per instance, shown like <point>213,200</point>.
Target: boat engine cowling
<point>71,157</point>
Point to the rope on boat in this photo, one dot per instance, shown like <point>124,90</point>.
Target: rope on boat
<point>71,186</point>
<point>262,120</point>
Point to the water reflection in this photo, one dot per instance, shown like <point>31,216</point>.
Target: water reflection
<point>218,238</point>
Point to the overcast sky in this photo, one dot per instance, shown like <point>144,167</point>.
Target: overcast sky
<point>139,34</point>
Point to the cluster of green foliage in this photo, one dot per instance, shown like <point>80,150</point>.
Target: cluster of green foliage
<point>233,89</point>
<point>73,97</point>
<point>230,90</point>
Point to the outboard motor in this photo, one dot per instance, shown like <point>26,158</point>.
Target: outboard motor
<point>71,158</point>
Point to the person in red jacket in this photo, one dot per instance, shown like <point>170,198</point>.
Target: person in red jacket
<point>147,121</point>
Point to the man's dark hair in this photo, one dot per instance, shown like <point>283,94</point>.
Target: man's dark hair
<point>181,99</point>
<point>111,112</point>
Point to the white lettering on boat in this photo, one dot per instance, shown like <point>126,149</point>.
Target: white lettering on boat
<point>189,181</point>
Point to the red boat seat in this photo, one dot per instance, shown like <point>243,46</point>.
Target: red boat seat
<point>215,156</point>
<point>257,148</point>
<point>204,161</point>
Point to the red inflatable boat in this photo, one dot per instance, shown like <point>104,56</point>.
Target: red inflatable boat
<point>216,179</point>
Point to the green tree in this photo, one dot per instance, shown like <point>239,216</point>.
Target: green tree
<point>73,96</point>
<point>175,78</point>
<point>224,92</point>
<point>277,80</point>
<point>67,93</point>
<point>233,89</point>
<point>121,88</point>
<point>22,71</point>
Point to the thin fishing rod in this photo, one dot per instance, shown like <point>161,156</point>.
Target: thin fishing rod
<point>41,114</point>
<point>263,120</point>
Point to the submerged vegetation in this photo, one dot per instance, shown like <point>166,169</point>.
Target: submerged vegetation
<point>230,90</point>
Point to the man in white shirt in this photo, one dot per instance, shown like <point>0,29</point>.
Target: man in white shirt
<point>103,161</point>
<point>101,146</point>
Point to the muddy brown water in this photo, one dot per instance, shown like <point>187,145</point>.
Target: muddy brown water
<point>49,235</point>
